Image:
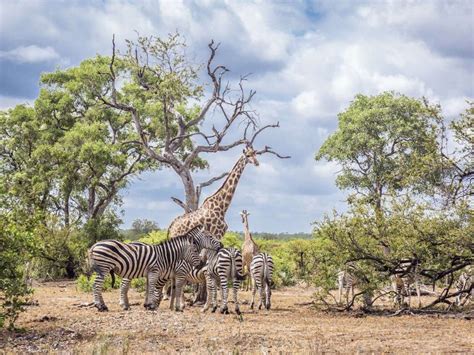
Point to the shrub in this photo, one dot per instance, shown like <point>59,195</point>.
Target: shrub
<point>15,245</point>
<point>85,284</point>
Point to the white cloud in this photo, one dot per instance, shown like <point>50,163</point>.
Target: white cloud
<point>7,102</point>
<point>307,67</point>
<point>30,54</point>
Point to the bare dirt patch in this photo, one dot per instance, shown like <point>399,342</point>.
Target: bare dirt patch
<point>58,324</point>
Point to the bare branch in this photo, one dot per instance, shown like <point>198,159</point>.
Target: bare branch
<point>268,149</point>
<point>261,130</point>
<point>181,204</point>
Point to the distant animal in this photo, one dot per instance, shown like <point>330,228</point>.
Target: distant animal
<point>346,281</point>
<point>261,271</point>
<point>465,282</point>
<point>156,262</point>
<point>222,268</point>
<point>402,282</point>
<point>249,247</point>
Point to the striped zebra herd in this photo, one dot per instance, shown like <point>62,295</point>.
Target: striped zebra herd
<point>402,284</point>
<point>194,257</point>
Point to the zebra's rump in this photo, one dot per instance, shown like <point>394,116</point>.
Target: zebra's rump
<point>262,266</point>
<point>227,262</point>
<point>127,260</point>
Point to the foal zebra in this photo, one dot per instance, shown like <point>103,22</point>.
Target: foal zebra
<point>223,267</point>
<point>346,280</point>
<point>465,283</point>
<point>261,271</point>
<point>402,282</point>
<point>156,262</point>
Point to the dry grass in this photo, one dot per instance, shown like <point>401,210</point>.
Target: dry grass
<point>57,324</point>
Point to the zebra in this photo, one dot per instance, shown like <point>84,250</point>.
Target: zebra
<point>261,271</point>
<point>346,280</point>
<point>465,287</point>
<point>224,266</point>
<point>403,281</point>
<point>189,273</point>
<point>156,262</point>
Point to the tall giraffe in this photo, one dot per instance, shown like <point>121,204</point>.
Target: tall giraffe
<point>249,248</point>
<point>211,214</point>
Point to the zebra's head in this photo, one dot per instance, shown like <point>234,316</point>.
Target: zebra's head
<point>204,240</point>
<point>191,253</point>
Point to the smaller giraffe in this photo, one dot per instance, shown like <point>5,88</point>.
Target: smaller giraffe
<point>249,248</point>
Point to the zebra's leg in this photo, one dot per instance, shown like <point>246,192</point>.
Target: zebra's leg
<point>235,288</point>
<point>98,300</point>
<point>224,292</point>
<point>178,293</point>
<point>254,290</point>
<point>124,287</point>
<point>214,294</point>
<point>208,293</point>
<point>268,294</point>
<point>154,291</point>
<point>418,292</point>
<point>261,294</point>
<point>172,287</point>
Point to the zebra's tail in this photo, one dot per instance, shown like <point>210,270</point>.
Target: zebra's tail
<point>266,277</point>
<point>113,277</point>
<point>237,274</point>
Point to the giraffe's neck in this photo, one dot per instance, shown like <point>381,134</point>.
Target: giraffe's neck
<point>223,196</point>
<point>247,235</point>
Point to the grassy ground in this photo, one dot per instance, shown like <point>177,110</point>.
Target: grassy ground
<point>58,324</point>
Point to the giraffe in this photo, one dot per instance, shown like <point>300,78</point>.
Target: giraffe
<point>211,214</point>
<point>249,248</point>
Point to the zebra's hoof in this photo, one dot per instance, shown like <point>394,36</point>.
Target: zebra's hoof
<point>125,308</point>
<point>268,306</point>
<point>102,308</point>
<point>214,309</point>
<point>251,305</point>
<point>237,310</point>
<point>225,310</point>
<point>260,307</point>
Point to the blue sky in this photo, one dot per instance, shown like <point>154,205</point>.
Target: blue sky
<point>307,58</point>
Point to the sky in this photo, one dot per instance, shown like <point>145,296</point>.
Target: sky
<point>308,60</point>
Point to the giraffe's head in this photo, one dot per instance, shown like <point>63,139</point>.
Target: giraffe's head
<point>244,215</point>
<point>251,155</point>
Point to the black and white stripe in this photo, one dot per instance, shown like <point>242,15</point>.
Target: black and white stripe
<point>156,262</point>
<point>261,271</point>
<point>402,283</point>
<point>465,287</point>
<point>346,281</point>
<point>223,267</point>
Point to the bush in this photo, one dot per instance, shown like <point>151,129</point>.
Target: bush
<point>85,284</point>
<point>15,244</point>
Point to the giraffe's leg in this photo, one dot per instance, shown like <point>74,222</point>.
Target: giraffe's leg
<point>98,300</point>
<point>124,287</point>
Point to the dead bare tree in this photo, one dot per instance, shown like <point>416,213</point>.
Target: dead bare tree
<point>160,83</point>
